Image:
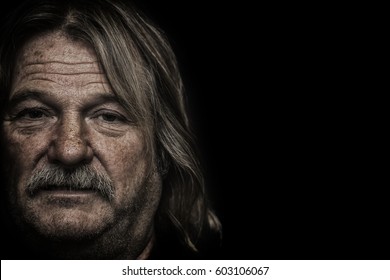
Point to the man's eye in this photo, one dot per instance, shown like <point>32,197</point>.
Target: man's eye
<point>31,113</point>
<point>110,117</point>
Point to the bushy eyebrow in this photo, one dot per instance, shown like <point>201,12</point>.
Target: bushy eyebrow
<point>25,95</point>
<point>41,96</point>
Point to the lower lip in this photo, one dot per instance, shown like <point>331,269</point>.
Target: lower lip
<point>68,195</point>
<point>64,197</point>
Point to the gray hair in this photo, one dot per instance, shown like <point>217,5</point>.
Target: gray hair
<point>143,72</point>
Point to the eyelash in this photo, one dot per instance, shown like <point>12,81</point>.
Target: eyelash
<point>100,114</point>
<point>119,118</point>
<point>24,113</point>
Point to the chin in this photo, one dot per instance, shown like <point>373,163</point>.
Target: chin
<point>69,224</point>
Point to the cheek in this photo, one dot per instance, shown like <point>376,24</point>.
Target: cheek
<point>128,167</point>
<point>18,164</point>
<point>23,150</point>
<point>124,159</point>
<point>23,153</point>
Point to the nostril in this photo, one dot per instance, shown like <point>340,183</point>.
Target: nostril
<point>70,152</point>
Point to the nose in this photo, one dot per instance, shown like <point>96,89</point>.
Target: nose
<point>69,146</point>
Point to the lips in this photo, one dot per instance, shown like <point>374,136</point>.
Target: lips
<point>62,190</point>
<point>66,196</point>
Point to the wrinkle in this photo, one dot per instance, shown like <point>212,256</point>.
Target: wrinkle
<point>58,62</point>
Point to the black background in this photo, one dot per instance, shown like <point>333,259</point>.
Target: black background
<point>286,139</point>
<point>285,127</point>
<point>222,52</point>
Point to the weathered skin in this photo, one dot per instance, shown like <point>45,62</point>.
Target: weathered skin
<point>72,118</point>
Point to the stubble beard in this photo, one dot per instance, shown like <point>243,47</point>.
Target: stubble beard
<point>124,235</point>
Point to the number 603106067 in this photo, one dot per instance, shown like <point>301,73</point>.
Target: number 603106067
<point>262,270</point>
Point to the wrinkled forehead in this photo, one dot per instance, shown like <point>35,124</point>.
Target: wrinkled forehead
<point>55,47</point>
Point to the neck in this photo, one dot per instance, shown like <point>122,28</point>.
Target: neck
<point>146,252</point>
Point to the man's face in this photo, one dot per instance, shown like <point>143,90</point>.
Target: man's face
<point>62,113</point>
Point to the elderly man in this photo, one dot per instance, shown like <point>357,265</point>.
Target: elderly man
<point>98,156</point>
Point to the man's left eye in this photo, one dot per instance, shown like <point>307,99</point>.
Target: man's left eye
<point>109,117</point>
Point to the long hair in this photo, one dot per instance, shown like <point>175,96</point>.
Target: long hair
<point>142,70</point>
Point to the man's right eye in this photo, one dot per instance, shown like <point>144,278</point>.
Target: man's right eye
<point>31,114</point>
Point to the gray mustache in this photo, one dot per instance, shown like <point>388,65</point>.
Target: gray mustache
<point>81,178</point>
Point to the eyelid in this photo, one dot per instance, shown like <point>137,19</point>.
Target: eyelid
<point>18,114</point>
<point>104,111</point>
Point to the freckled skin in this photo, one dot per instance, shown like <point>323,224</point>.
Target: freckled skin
<point>74,131</point>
